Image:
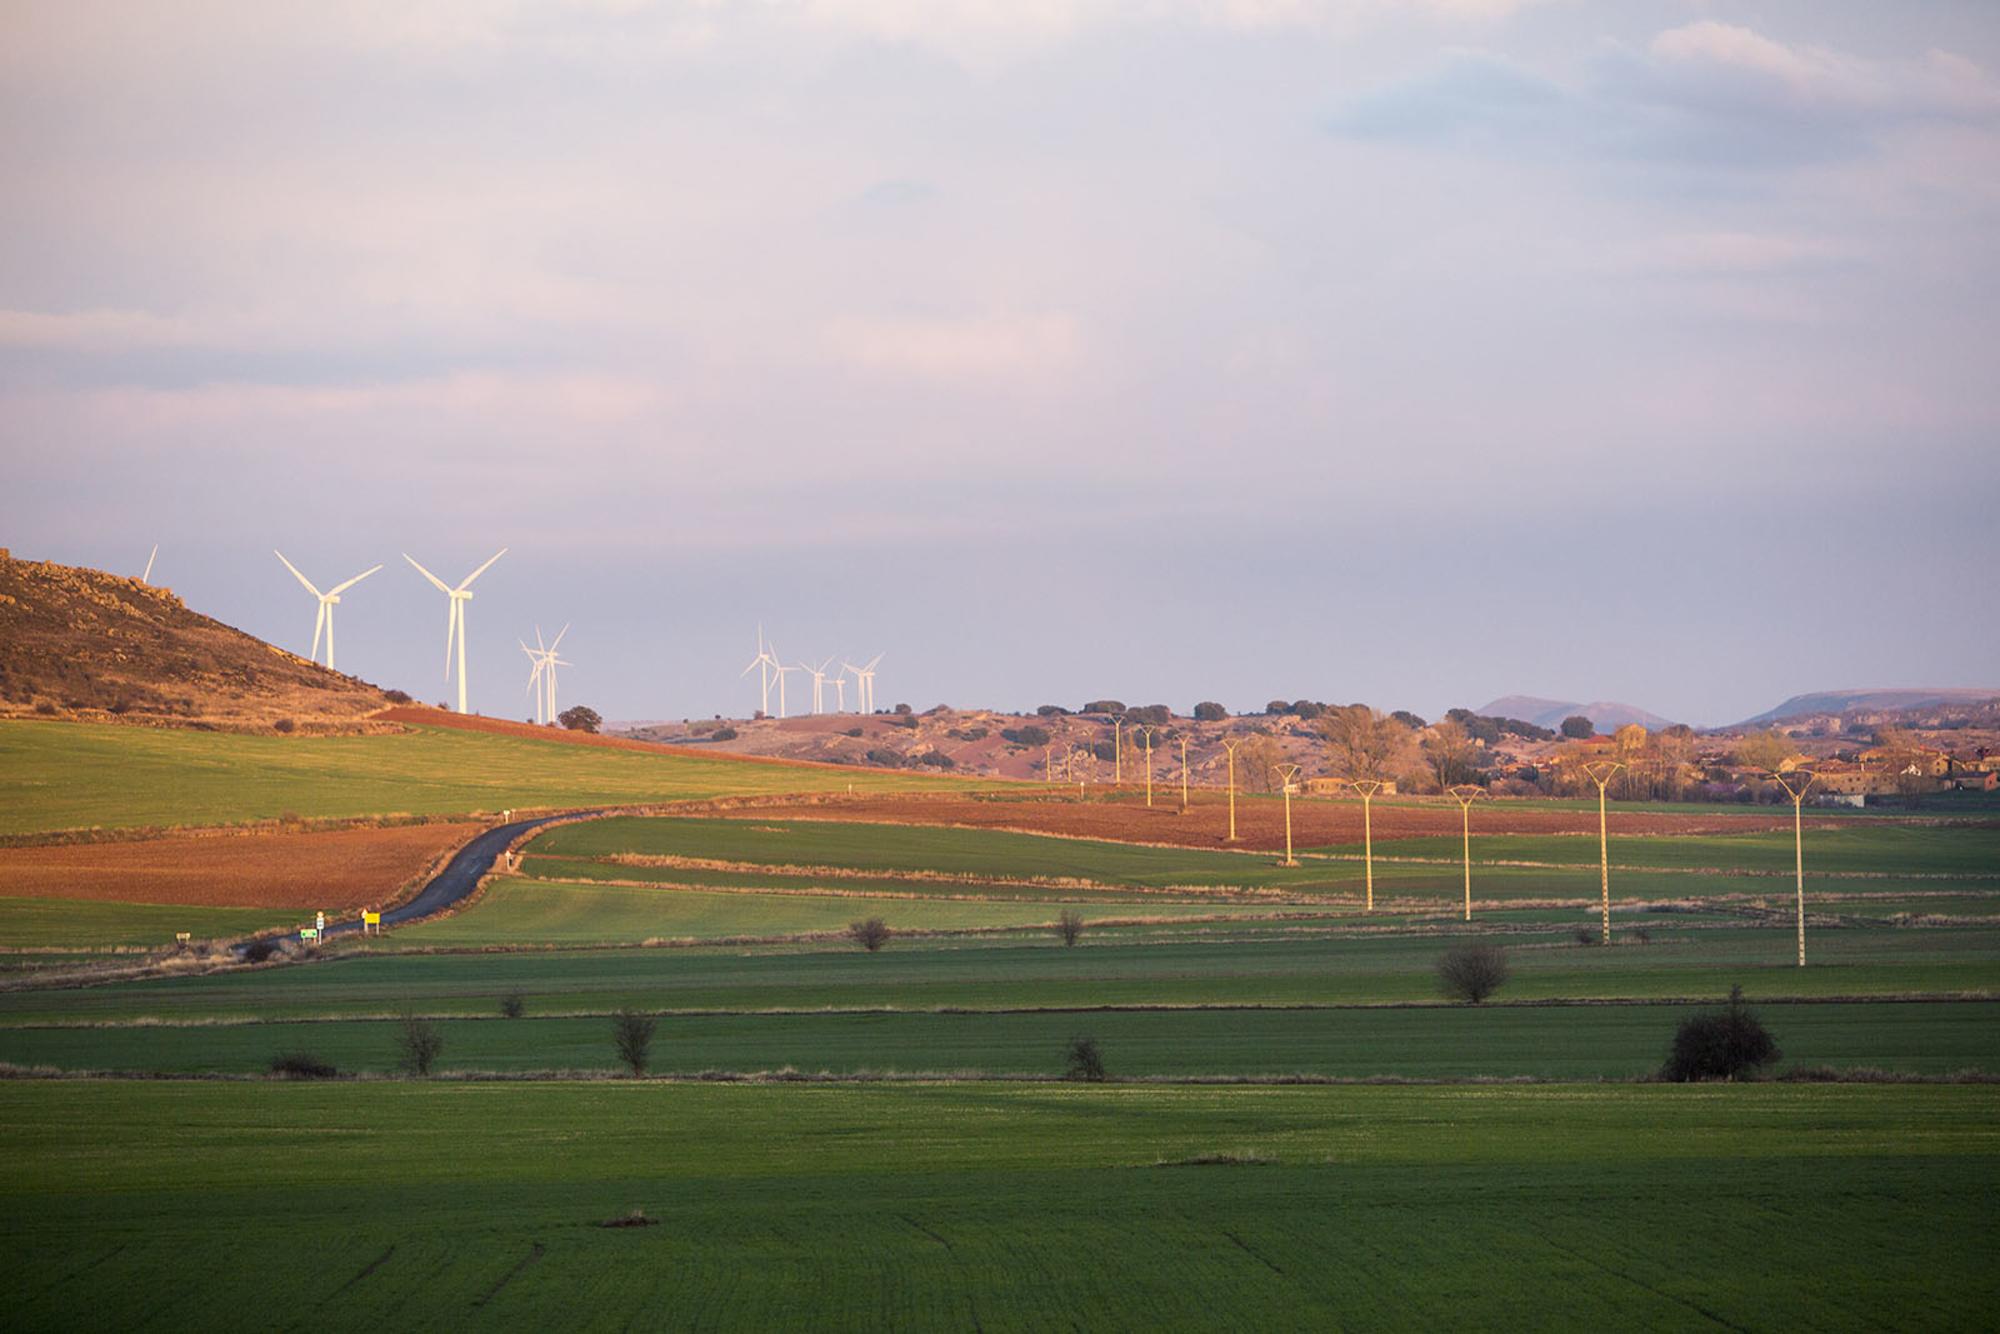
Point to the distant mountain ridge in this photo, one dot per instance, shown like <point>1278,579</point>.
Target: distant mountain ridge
<point>1604,714</point>
<point>1870,701</point>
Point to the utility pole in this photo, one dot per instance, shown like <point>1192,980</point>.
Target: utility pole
<point>1798,796</point>
<point>1184,776</point>
<point>1367,787</point>
<point>1600,772</point>
<point>1231,746</point>
<point>1117,752</point>
<point>1288,772</point>
<point>1145,730</point>
<point>1467,793</point>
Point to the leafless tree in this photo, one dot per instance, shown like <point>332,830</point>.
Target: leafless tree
<point>871,934</point>
<point>1448,752</point>
<point>1069,926</point>
<point>1256,761</point>
<point>421,1043</point>
<point>632,1033</point>
<point>1472,972</point>
<point>1364,743</point>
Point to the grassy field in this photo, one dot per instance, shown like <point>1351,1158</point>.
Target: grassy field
<point>1547,1042</point>
<point>365,1205</point>
<point>1204,966</point>
<point>1868,848</point>
<point>27,924</point>
<point>76,775</point>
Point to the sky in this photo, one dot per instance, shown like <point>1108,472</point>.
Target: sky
<point>1411,352</point>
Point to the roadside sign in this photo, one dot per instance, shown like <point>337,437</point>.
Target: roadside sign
<point>319,921</point>
<point>308,933</point>
<point>183,937</point>
<point>371,919</point>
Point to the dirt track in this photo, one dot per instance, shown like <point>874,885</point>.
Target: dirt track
<point>1260,824</point>
<point>336,869</point>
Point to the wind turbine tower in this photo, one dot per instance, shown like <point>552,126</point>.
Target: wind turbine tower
<point>544,673</point>
<point>454,626</point>
<point>778,670</point>
<point>327,601</point>
<point>762,665</point>
<point>819,683</point>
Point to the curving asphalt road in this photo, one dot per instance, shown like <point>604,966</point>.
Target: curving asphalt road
<point>460,875</point>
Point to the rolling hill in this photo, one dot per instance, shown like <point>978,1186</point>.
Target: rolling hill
<point>1871,701</point>
<point>81,643</point>
<point>1606,715</point>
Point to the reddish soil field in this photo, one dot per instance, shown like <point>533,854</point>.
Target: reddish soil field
<point>333,869</point>
<point>1260,823</point>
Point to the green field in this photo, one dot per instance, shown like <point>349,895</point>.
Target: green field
<point>31,924</point>
<point>1545,1042</point>
<point>78,775</point>
<point>373,1205</point>
<point>1207,966</point>
<point>986,1201</point>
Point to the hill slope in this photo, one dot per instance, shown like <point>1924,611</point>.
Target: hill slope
<point>1869,701</point>
<point>1606,714</point>
<point>76,642</point>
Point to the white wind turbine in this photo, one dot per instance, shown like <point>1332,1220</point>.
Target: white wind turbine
<point>840,690</point>
<point>818,675</point>
<point>762,665</point>
<point>327,601</point>
<point>778,670</point>
<point>454,627</point>
<point>864,684</point>
<point>543,673</point>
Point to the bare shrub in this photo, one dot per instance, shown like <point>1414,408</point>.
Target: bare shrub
<point>632,1033</point>
<point>257,951</point>
<point>302,1065</point>
<point>1069,926</point>
<point>1585,936</point>
<point>285,725</point>
<point>1642,936</point>
<point>1471,973</point>
<point>871,934</point>
<point>513,1005</point>
<point>1730,1043</point>
<point>1083,1061</point>
<point>420,1042</point>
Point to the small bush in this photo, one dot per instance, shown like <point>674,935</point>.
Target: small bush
<point>513,1005</point>
<point>1727,1044</point>
<point>723,734</point>
<point>1642,936</point>
<point>1030,735</point>
<point>45,707</point>
<point>1208,711</point>
<point>1083,1061</point>
<point>632,1033</point>
<point>1585,936</point>
<point>1471,973</point>
<point>302,1065</point>
<point>396,696</point>
<point>853,731</point>
<point>257,951</point>
<point>871,934</point>
<point>285,725</point>
<point>1069,926</point>
<point>420,1042</point>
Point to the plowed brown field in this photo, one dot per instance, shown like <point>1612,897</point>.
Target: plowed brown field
<point>334,869</point>
<point>1260,824</point>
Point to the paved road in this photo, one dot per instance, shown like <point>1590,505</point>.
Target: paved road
<point>459,876</point>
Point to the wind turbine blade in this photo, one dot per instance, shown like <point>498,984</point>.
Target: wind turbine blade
<point>755,663</point>
<point>319,622</point>
<point>450,629</point>
<point>342,588</point>
<point>441,585</point>
<point>147,577</point>
<point>482,569</point>
<point>558,639</point>
<point>876,661</point>
<point>295,573</point>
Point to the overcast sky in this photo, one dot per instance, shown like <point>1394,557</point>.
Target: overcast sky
<point>1414,353</point>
